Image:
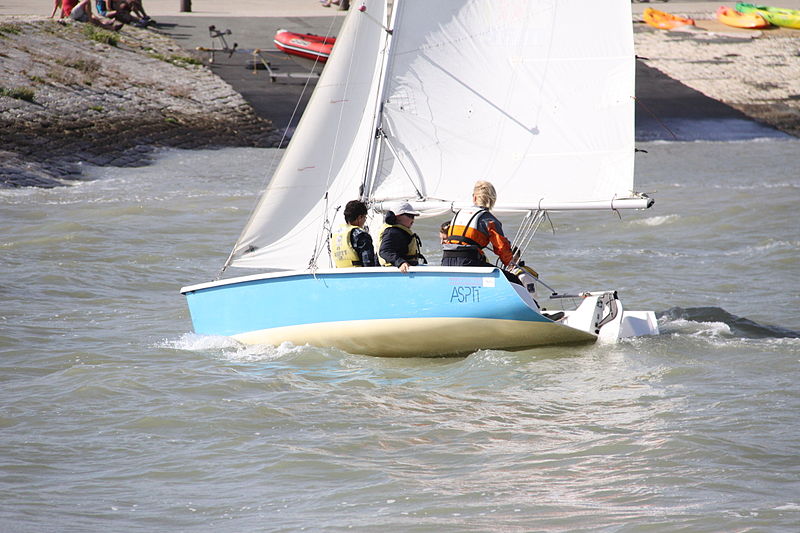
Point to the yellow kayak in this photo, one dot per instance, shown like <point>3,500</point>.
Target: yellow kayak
<point>737,19</point>
<point>787,18</point>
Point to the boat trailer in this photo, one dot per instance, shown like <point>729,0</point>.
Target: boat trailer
<point>219,44</point>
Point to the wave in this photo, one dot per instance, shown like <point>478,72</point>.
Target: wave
<point>232,350</point>
<point>718,321</point>
<point>759,250</point>
<point>656,220</point>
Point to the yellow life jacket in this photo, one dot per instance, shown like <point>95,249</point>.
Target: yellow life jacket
<point>412,256</point>
<point>344,255</point>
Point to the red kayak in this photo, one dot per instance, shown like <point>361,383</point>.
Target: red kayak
<point>304,45</point>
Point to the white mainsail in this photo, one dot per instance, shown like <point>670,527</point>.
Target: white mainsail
<point>533,95</point>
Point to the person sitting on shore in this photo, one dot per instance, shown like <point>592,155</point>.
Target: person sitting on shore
<point>56,6</point>
<point>81,11</point>
<point>344,5</point>
<point>351,246</point>
<point>121,11</point>
<point>137,8</point>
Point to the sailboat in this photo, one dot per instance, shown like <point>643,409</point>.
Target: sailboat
<point>418,100</point>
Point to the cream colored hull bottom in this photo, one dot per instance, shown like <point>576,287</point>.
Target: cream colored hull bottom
<point>422,337</point>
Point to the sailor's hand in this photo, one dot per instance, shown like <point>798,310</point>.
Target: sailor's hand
<point>404,268</point>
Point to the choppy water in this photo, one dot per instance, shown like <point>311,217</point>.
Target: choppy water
<point>114,417</point>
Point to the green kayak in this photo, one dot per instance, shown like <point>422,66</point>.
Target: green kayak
<point>779,16</point>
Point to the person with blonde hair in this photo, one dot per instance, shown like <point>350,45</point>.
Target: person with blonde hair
<point>474,229</point>
<point>484,194</point>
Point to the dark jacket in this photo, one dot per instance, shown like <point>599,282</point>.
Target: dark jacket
<point>394,247</point>
<point>362,244</point>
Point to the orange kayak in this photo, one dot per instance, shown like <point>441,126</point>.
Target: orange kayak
<point>736,19</point>
<point>665,21</point>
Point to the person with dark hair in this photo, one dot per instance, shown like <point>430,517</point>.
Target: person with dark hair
<point>351,246</point>
<point>444,229</point>
<point>400,246</point>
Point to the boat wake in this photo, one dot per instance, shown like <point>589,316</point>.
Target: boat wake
<point>715,321</point>
<point>231,350</point>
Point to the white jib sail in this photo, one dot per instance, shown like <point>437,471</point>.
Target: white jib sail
<point>324,164</point>
<point>535,96</point>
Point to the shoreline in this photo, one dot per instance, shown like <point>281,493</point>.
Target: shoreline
<point>70,98</point>
<point>114,104</point>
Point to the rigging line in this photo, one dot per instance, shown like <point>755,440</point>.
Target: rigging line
<point>339,121</point>
<point>522,227</point>
<point>524,231</point>
<point>660,122</point>
<point>323,236</point>
<point>373,163</point>
<point>363,9</point>
<point>312,262</point>
<point>272,160</point>
<point>397,158</point>
<point>532,231</point>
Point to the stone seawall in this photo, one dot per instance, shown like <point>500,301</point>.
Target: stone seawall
<point>71,94</point>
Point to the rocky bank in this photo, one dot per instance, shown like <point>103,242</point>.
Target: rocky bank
<point>72,94</point>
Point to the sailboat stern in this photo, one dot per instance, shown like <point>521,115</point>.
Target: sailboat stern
<point>602,313</point>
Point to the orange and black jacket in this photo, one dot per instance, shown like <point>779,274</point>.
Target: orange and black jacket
<point>477,228</point>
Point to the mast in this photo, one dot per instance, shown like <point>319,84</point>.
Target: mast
<point>376,143</point>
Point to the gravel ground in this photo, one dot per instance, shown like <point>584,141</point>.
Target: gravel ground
<point>755,72</point>
<point>68,98</point>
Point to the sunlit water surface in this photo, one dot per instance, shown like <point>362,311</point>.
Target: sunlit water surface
<point>115,417</point>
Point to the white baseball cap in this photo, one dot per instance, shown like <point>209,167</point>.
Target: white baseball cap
<point>405,209</point>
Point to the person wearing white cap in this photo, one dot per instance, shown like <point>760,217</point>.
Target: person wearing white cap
<point>400,246</point>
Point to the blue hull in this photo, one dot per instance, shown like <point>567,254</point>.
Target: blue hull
<point>377,311</point>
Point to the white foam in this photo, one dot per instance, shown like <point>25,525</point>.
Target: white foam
<point>264,352</point>
<point>788,507</point>
<point>695,329</point>
<point>766,247</point>
<point>656,221</point>
<point>192,342</point>
<point>229,349</point>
